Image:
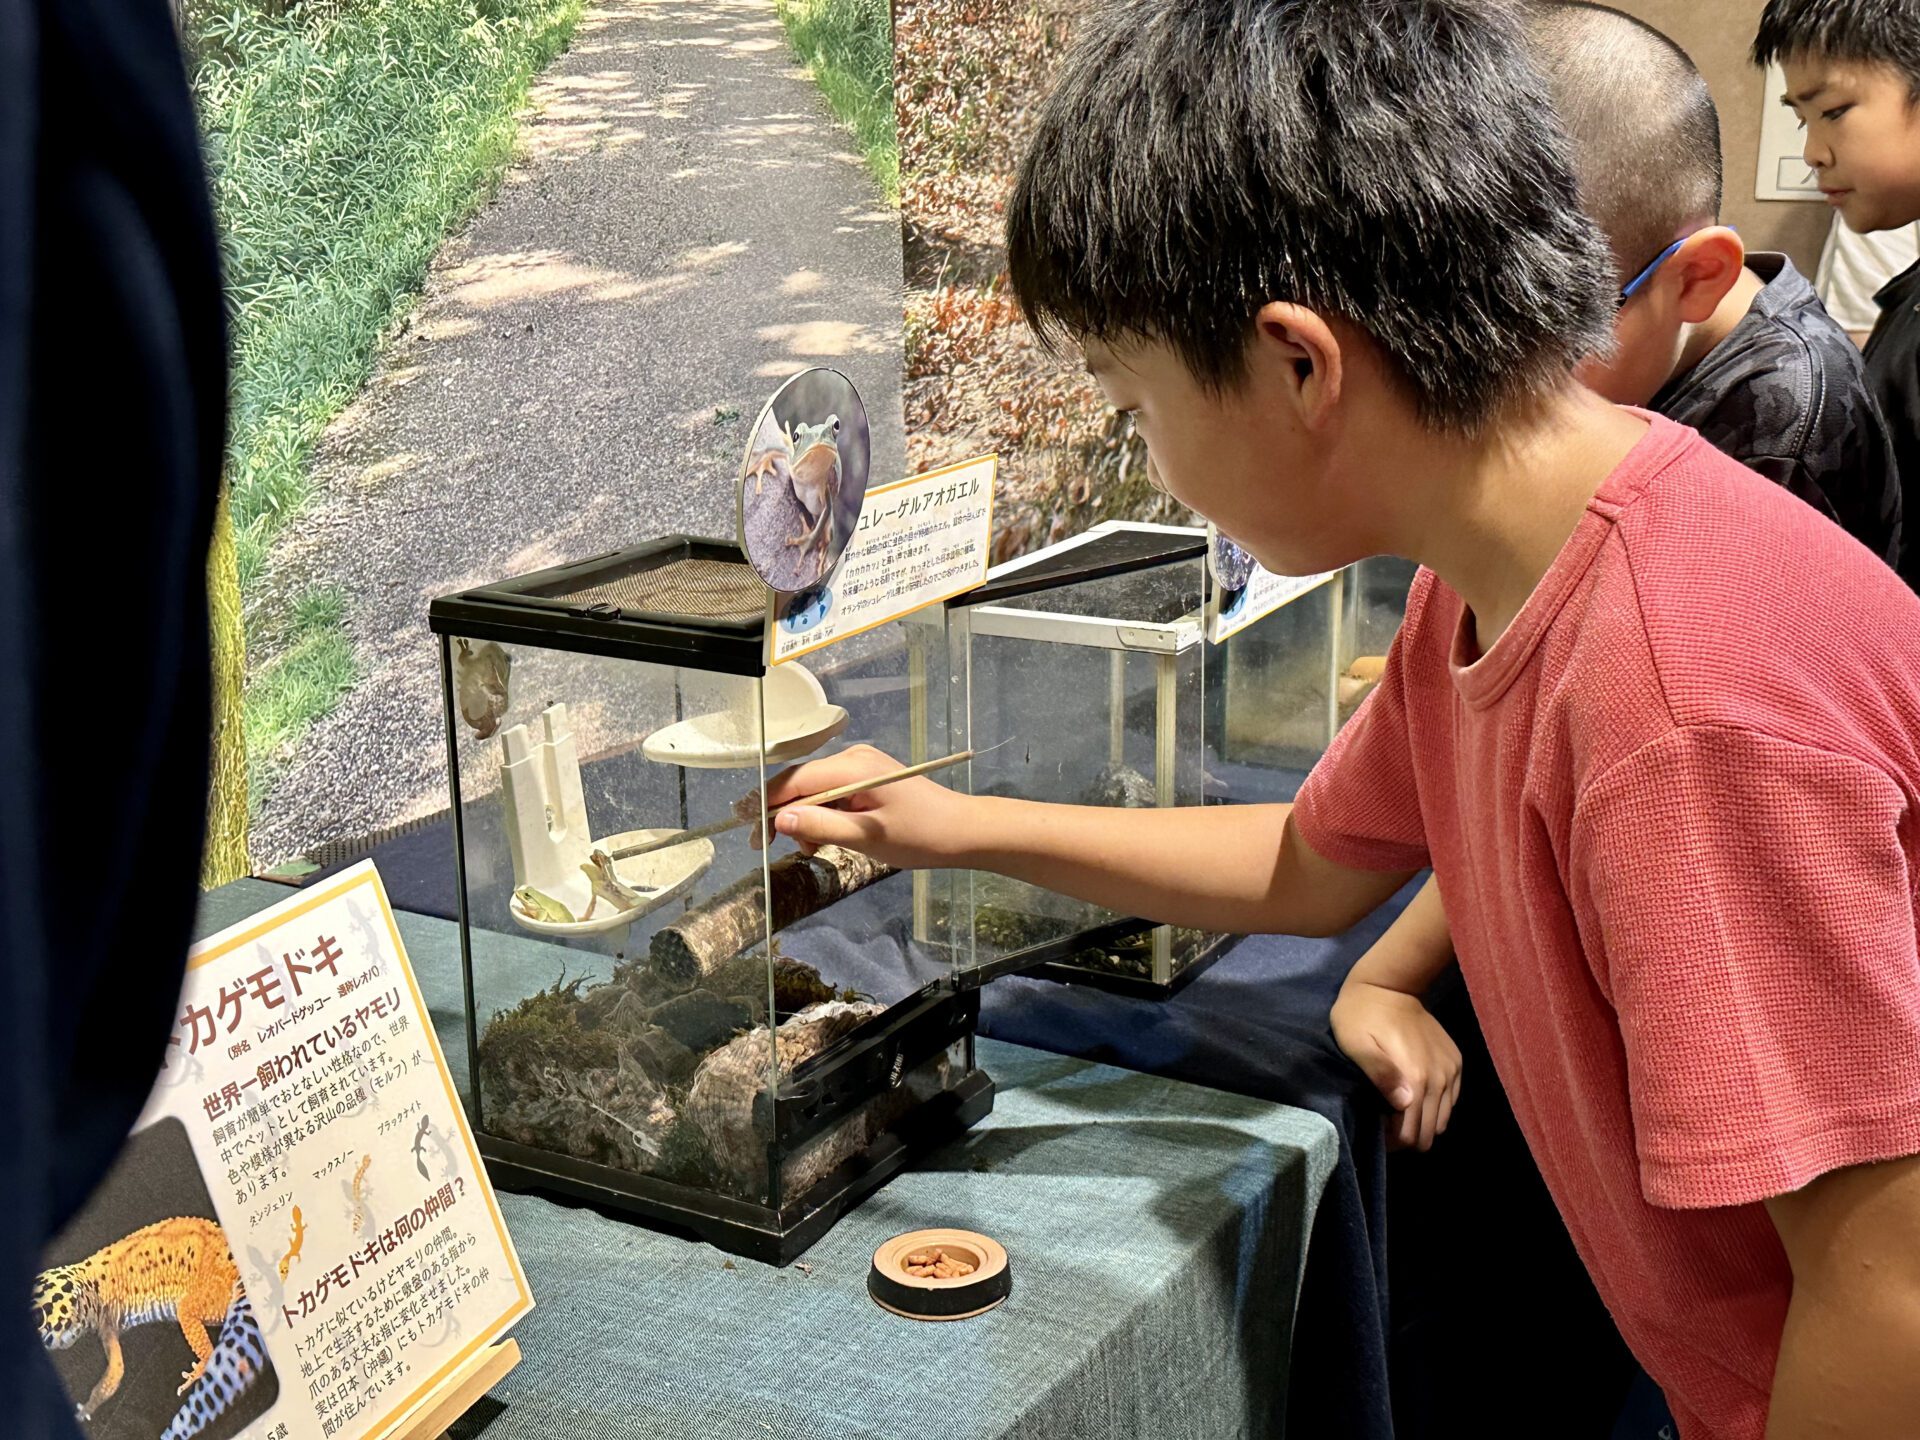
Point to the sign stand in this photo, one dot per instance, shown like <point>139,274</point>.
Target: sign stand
<point>459,1392</point>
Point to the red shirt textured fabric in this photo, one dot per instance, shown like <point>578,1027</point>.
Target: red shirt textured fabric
<point>1675,813</point>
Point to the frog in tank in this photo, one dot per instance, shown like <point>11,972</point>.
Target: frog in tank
<point>481,679</point>
<point>538,905</point>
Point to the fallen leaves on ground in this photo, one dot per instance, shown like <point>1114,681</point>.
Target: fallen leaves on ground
<point>969,74</point>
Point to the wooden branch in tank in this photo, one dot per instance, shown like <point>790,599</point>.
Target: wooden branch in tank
<point>715,931</point>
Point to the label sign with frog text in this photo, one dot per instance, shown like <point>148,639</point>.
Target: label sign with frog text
<point>301,1197</point>
<point>1231,611</point>
<point>917,542</point>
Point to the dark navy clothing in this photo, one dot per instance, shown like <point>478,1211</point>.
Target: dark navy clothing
<point>112,410</point>
<point>1786,393</point>
<point>1893,371</point>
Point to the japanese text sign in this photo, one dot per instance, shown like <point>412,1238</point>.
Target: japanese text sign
<point>1231,611</point>
<point>917,542</point>
<point>318,1207</point>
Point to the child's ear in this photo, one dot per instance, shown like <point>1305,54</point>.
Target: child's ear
<point>1707,266</point>
<point>1296,346</point>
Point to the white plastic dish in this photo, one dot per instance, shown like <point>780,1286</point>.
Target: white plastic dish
<point>799,722</point>
<point>659,877</point>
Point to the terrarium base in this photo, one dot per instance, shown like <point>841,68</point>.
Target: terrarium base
<point>758,1232</point>
<point>1054,959</point>
<point>1139,986</point>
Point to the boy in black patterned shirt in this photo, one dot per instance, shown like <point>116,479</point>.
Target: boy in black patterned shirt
<point>1853,78</point>
<point>1737,346</point>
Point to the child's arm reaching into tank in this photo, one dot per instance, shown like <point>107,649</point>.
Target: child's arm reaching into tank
<point>1233,868</point>
<point>1381,1023</point>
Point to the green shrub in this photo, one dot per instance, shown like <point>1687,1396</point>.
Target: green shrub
<point>345,139</point>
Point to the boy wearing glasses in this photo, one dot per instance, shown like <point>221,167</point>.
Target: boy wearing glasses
<point>1651,720</point>
<point>1853,78</point>
<point>1743,352</point>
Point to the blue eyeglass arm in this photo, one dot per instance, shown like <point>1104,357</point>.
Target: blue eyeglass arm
<point>1626,291</point>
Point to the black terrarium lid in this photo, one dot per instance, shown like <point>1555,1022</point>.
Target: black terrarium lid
<point>677,601</point>
<point>1118,551</point>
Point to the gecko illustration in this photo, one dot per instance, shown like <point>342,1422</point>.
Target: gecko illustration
<point>179,1269</point>
<point>375,1095</point>
<point>239,1356</point>
<point>449,1327</point>
<point>419,1144</point>
<point>185,1069</point>
<point>268,1118</point>
<point>447,1163</point>
<point>273,1291</point>
<point>279,967</point>
<point>293,1246</point>
<point>270,1122</point>
<point>360,1194</point>
<point>363,926</point>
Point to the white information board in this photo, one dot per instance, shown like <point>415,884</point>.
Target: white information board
<point>1231,611</point>
<point>1782,174</point>
<point>301,1197</point>
<point>917,542</point>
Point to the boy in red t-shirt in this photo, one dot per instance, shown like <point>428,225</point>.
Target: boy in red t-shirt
<point>1654,723</point>
<point>1778,387</point>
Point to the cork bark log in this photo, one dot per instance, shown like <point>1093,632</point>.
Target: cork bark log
<point>715,931</point>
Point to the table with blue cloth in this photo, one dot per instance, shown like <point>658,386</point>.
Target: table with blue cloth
<point>1442,1296</point>
<point>1157,1233</point>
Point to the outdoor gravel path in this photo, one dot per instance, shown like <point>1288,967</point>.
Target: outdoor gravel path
<point>689,226</point>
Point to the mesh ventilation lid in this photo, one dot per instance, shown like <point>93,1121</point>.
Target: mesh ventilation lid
<point>675,600</point>
<point>706,589</point>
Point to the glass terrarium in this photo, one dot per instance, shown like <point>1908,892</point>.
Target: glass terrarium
<point>661,1016</point>
<point>1085,665</point>
<point>1286,684</point>
<point>1380,603</point>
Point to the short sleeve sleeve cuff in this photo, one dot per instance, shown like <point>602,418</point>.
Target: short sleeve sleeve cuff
<point>1752,900</point>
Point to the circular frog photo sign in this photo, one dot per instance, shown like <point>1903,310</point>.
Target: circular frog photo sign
<point>803,479</point>
<point>1232,566</point>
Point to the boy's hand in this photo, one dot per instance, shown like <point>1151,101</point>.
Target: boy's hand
<point>1406,1054</point>
<point>909,824</point>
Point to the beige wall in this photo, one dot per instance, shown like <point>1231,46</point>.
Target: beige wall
<point>1717,33</point>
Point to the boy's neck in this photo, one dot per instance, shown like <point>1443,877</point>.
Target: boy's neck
<point>1731,310</point>
<point>1499,509</point>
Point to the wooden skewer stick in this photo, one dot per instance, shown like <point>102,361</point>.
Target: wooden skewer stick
<point>825,797</point>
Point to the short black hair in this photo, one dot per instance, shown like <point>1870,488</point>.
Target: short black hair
<point>1874,32</point>
<point>1646,136</point>
<point>1394,163</point>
